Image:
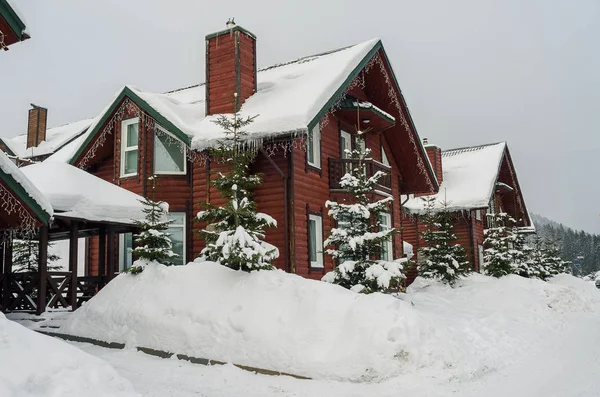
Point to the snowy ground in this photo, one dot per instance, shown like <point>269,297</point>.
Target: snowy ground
<point>487,337</point>
<point>565,364</point>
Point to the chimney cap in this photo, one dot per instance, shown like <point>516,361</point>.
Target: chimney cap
<point>231,26</point>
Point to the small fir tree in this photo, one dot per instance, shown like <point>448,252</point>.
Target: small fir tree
<point>358,237</point>
<point>235,231</point>
<point>443,259</point>
<point>499,245</point>
<point>26,256</point>
<point>152,243</point>
<point>520,253</point>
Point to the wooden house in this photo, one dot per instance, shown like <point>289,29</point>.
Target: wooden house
<point>474,181</point>
<point>309,111</point>
<point>12,25</point>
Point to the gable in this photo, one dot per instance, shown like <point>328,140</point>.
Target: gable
<point>144,103</point>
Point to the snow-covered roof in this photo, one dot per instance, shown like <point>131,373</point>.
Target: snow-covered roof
<point>289,98</point>
<point>74,193</point>
<point>56,138</point>
<point>469,178</point>
<point>30,194</point>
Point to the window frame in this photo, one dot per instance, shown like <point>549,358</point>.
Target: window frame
<point>315,146</point>
<point>184,235</point>
<point>156,172</point>
<point>123,252</point>
<point>346,135</point>
<point>390,243</point>
<point>125,148</point>
<point>320,260</point>
<point>478,215</point>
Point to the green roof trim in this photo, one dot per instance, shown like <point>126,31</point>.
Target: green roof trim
<point>13,20</point>
<point>378,46</point>
<point>20,191</point>
<point>236,28</point>
<point>345,84</point>
<point>143,105</point>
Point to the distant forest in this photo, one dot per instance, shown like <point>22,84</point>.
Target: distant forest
<point>573,244</point>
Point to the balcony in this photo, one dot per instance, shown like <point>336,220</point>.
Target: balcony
<point>339,167</point>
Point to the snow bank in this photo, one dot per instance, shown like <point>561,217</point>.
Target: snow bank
<point>283,322</point>
<point>267,319</point>
<point>36,365</point>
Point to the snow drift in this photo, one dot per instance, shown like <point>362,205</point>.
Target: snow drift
<point>282,322</point>
<point>36,365</point>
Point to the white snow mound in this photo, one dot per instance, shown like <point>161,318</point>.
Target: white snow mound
<point>35,365</point>
<point>280,321</point>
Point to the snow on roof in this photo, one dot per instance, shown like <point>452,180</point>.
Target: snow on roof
<point>64,154</point>
<point>56,138</point>
<point>10,169</point>
<point>289,96</point>
<point>469,175</point>
<point>75,193</point>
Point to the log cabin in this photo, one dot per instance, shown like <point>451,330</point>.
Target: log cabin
<point>12,25</point>
<point>308,112</point>
<point>474,181</point>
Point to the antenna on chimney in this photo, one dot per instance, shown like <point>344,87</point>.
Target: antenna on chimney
<point>230,23</point>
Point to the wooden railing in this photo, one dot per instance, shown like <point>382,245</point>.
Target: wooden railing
<point>339,167</point>
<point>20,291</point>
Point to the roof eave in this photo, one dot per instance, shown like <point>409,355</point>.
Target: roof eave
<point>13,20</point>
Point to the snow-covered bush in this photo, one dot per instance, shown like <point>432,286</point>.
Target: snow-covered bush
<point>235,231</point>
<point>359,237</point>
<point>442,258</point>
<point>152,243</point>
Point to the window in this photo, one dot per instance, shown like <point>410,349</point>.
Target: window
<point>478,215</point>
<point>387,248</point>
<point>125,247</point>
<point>384,158</point>
<point>176,232</point>
<point>129,146</point>
<point>345,145</point>
<point>313,150</point>
<point>169,154</point>
<point>481,262</point>
<point>315,240</point>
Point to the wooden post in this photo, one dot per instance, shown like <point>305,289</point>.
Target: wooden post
<point>102,255</point>
<point>7,270</point>
<point>110,252</point>
<point>42,269</point>
<point>73,251</point>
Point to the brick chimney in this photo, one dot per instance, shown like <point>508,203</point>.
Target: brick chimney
<point>435,158</point>
<point>36,125</point>
<point>230,68</point>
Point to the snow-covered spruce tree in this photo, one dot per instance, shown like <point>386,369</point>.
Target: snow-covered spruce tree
<point>235,232</point>
<point>358,237</point>
<point>544,261</point>
<point>26,256</point>
<point>152,243</point>
<point>499,238</point>
<point>520,253</point>
<point>443,259</point>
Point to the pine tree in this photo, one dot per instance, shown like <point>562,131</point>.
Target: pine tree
<point>443,259</point>
<point>152,243</point>
<point>26,257</point>
<point>499,257</point>
<point>358,237</point>
<point>235,231</point>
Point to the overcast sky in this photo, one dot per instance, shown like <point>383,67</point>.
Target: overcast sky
<point>472,72</point>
